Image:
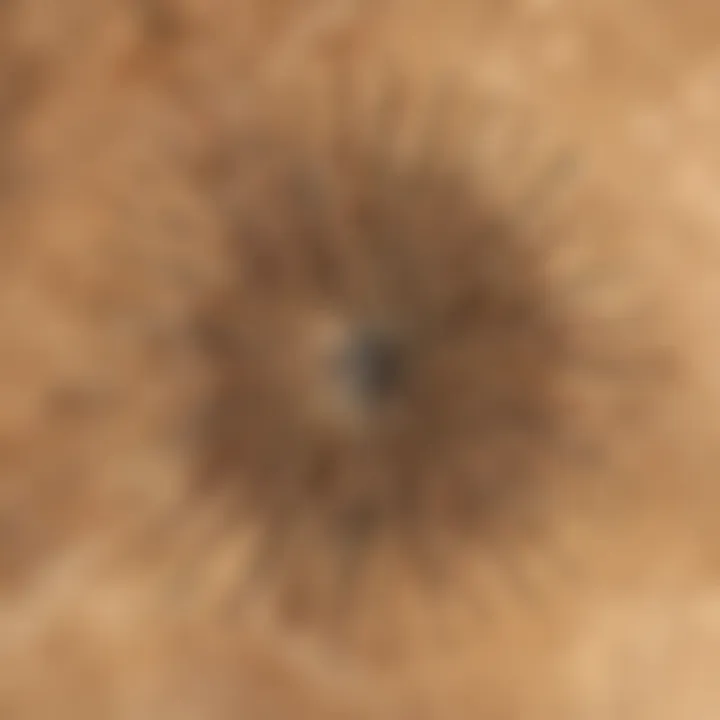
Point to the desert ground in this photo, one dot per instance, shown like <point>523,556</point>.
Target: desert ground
<point>359,360</point>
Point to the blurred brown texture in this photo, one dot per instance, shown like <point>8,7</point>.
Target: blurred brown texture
<point>203,204</point>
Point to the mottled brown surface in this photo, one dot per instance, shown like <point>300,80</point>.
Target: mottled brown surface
<point>203,204</point>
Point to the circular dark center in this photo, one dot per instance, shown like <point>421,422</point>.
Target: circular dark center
<point>370,367</point>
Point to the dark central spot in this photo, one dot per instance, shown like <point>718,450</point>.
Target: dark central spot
<point>370,367</point>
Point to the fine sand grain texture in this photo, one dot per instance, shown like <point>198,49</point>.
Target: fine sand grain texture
<point>359,360</point>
